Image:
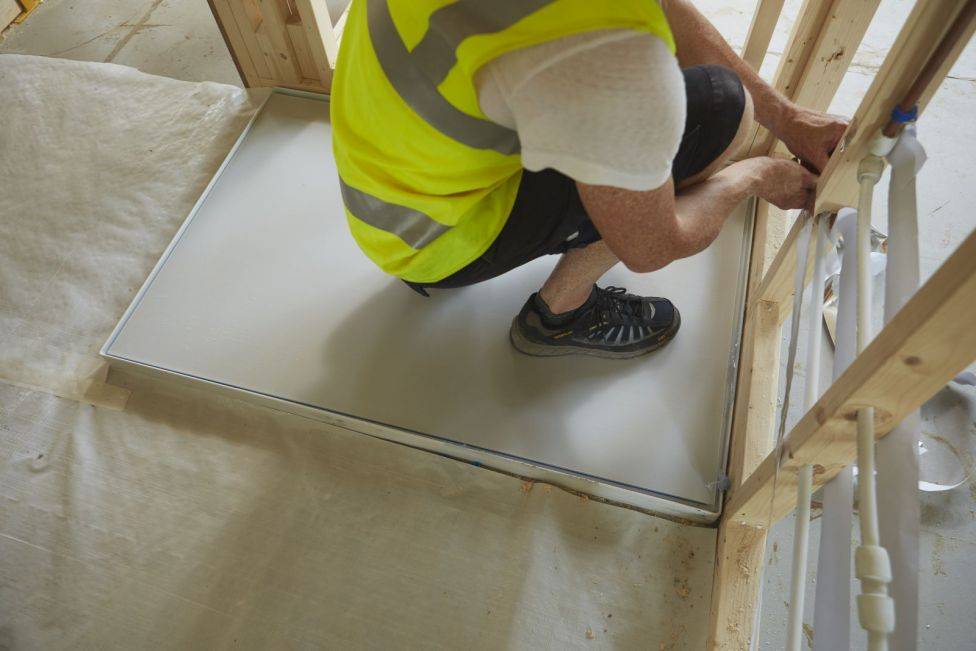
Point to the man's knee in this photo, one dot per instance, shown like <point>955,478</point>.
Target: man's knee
<point>727,92</point>
<point>720,110</point>
<point>732,104</point>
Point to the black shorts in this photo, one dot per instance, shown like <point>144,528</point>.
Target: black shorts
<point>548,215</point>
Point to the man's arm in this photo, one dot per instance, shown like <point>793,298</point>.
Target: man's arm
<point>810,135</point>
<point>649,230</point>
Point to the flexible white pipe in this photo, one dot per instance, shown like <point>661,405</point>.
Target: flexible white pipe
<point>875,608</point>
<point>801,546</point>
<point>804,486</point>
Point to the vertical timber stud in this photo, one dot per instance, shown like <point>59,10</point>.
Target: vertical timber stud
<point>289,43</point>
<point>761,32</point>
<point>822,44</point>
<point>792,64</point>
<point>740,547</point>
<point>820,49</point>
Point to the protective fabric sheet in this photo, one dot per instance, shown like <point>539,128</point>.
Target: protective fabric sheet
<point>190,520</point>
<point>832,603</point>
<point>899,512</point>
<point>96,177</point>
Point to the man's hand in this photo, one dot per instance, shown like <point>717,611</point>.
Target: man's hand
<point>783,183</point>
<point>810,135</point>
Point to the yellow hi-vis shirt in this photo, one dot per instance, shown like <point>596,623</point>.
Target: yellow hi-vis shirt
<point>427,180</point>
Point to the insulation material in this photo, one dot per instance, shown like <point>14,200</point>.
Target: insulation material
<point>194,520</point>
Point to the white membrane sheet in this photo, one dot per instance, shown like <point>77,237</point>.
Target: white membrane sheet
<point>264,290</point>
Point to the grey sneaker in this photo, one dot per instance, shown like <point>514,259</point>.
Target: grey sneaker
<point>611,323</point>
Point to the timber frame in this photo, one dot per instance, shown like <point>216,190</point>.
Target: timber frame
<point>286,43</point>
<point>916,353</point>
<point>293,43</point>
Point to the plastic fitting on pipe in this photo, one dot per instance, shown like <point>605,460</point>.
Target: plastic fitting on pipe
<point>871,167</point>
<point>872,563</point>
<point>876,614</point>
<point>881,145</point>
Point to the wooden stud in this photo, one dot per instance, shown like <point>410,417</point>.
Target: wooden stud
<point>296,34</point>
<point>735,585</point>
<point>226,23</point>
<point>822,45</point>
<point>274,33</point>
<point>320,36</point>
<point>916,354</point>
<point>761,32</point>
<point>919,36</point>
<point>238,25</point>
<point>340,26</point>
<point>739,549</point>
<point>792,64</point>
<point>776,286</point>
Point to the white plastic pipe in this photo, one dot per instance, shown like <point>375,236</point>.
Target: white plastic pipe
<point>875,608</point>
<point>804,486</point>
<point>801,546</point>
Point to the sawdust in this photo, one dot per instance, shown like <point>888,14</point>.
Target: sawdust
<point>681,587</point>
<point>527,486</point>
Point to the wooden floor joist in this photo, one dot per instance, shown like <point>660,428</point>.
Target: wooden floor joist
<point>916,354</point>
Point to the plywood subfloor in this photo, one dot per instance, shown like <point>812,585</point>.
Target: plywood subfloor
<point>266,291</point>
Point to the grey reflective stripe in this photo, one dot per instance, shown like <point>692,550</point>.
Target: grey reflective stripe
<point>412,226</point>
<point>420,92</point>
<point>451,24</point>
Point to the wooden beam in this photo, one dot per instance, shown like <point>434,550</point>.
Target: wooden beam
<point>792,63</point>
<point>273,32</point>
<point>916,354</point>
<point>755,397</point>
<point>777,283</point>
<point>735,585</point>
<point>739,549</point>
<point>833,50</point>
<point>822,45</point>
<point>761,32</point>
<point>340,27</point>
<point>916,41</point>
<point>320,37</point>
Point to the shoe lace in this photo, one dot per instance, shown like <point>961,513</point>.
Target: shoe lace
<point>616,306</point>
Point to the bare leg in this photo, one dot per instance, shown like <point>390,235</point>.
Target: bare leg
<point>570,283</point>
